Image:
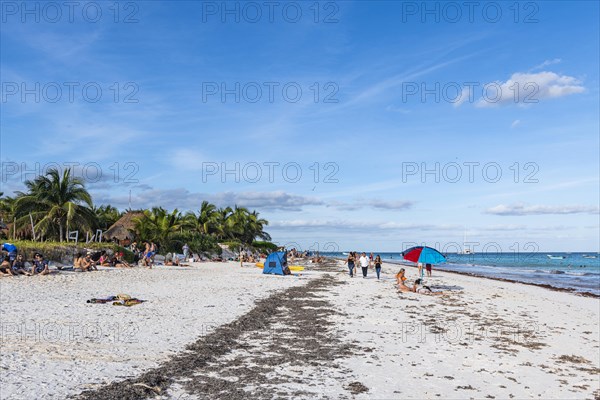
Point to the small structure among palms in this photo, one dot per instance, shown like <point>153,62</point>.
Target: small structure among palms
<point>123,230</point>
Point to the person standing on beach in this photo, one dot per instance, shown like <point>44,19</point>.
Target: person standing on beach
<point>378,265</point>
<point>186,252</point>
<point>420,266</point>
<point>350,261</point>
<point>428,269</point>
<point>364,264</point>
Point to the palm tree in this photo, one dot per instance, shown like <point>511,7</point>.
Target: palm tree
<point>205,221</point>
<point>6,214</point>
<point>241,225</point>
<point>158,225</point>
<point>106,216</point>
<point>6,208</point>
<point>236,222</point>
<point>222,224</point>
<point>56,203</point>
<point>256,226</point>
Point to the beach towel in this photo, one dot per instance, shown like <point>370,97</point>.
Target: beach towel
<point>119,300</point>
<point>102,300</point>
<point>128,303</point>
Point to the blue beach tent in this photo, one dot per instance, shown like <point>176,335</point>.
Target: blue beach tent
<point>276,263</point>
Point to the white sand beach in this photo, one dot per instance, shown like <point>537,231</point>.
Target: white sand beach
<point>484,339</point>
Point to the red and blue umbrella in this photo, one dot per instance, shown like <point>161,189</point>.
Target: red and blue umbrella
<point>424,255</point>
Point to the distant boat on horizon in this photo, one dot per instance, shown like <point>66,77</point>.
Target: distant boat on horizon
<point>550,256</point>
<point>466,250</point>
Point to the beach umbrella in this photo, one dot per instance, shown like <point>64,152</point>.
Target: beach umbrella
<point>424,255</point>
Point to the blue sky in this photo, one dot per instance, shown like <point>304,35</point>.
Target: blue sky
<point>401,90</point>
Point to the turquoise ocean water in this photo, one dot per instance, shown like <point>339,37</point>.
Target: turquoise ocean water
<point>578,271</point>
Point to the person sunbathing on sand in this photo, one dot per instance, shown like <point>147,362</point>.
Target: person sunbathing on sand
<point>18,267</point>
<point>418,287</point>
<point>118,262</point>
<point>171,260</point>
<point>88,264</point>
<point>400,279</point>
<point>104,260</point>
<point>40,266</point>
<point>5,267</point>
<point>79,263</point>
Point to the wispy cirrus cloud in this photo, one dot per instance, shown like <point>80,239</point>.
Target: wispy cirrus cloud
<point>522,209</point>
<point>546,63</point>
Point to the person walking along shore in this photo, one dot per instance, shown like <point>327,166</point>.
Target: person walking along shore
<point>378,266</point>
<point>350,262</point>
<point>364,264</point>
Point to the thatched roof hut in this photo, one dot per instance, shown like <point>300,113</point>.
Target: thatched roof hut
<point>124,228</point>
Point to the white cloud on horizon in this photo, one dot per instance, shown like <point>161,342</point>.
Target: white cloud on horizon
<point>356,225</point>
<point>372,203</point>
<point>522,209</point>
<point>183,199</point>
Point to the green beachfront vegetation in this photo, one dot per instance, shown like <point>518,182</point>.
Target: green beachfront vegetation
<point>54,204</point>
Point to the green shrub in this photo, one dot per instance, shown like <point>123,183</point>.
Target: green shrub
<point>233,245</point>
<point>264,247</point>
<point>198,243</point>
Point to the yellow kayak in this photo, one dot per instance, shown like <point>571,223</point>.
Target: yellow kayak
<point>292,267</point>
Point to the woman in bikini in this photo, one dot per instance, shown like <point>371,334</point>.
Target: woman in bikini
<point>400,281</point>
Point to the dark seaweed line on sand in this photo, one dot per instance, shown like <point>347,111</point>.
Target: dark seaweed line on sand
<point>208,350</point>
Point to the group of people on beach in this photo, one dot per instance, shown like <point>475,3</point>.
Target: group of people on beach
<point>145,254</point>
<point>14,264</point>
<point>90,261</point>
<point>354,260</point>
<point>364,262</point>
<point>294,254</point>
